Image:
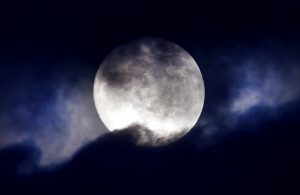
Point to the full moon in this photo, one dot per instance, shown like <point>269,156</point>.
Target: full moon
<point>150,88</point>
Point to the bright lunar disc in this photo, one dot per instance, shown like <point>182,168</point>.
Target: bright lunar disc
<point>152,89</point>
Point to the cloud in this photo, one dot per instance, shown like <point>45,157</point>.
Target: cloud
<point>75,124</point>
<point>244,88</point>
<point>269,86</point>
<point>55,113</point>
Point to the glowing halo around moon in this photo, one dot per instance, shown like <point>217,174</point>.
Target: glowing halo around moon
<point>150,88</point>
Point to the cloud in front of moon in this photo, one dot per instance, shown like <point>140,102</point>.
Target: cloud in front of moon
<point>150,87</point>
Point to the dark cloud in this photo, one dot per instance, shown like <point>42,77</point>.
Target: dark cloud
<point>142,136</point>
<point>246,162</point>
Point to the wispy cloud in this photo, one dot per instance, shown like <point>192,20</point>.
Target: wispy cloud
<point>255,80</point>
<point>58,117</point>
<point>78,124</point>
<point>267,86</point>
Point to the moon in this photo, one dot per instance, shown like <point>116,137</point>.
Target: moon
<point>151,89</point>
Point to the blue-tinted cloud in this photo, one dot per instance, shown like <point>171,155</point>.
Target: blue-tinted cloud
<point>56,114</point>
<point>253,85</point>
<point>265,85</point>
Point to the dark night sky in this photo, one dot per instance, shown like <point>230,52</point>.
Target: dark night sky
<point>245,142</point>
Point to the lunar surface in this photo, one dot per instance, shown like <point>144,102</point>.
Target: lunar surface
<point>151,89</point>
